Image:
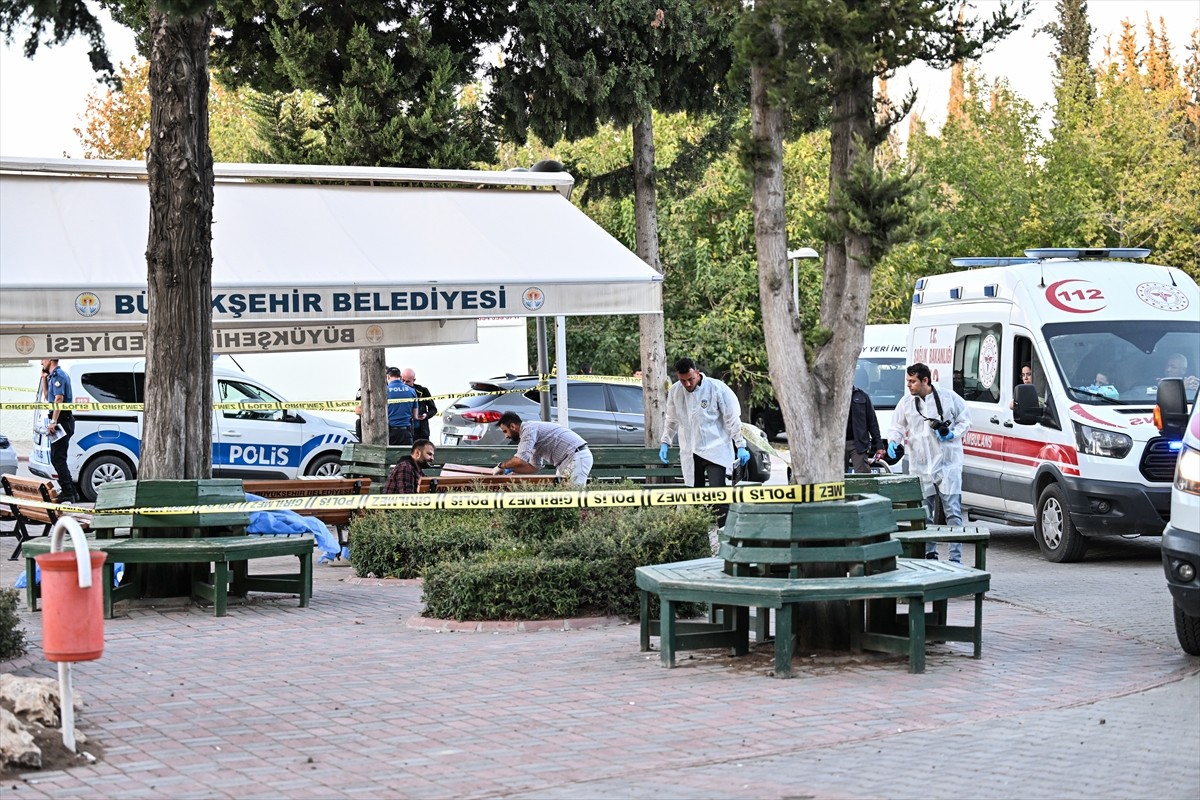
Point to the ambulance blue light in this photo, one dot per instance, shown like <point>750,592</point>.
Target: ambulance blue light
<point>1174,445</point>
<point>991,290</point>
<point>956,293</point>
<point>917,298</point>
<point>921,283</point>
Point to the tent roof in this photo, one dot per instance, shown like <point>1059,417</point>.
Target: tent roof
<point>477,244</point>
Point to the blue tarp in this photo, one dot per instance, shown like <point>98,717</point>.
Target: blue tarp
<point>286,522</point>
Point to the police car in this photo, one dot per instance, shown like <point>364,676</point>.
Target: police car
<point>266,444</point>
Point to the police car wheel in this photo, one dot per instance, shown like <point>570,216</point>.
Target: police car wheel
<point>327,466</point>
<point>103,469</point>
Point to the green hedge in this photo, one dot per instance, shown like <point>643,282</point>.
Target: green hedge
<point>400,544</point>
<point>527,563</point>
<point>506,588</point>
<point>12,637</point>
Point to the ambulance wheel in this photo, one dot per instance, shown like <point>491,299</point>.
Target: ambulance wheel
<point>1055,532</point>
<point>1187,630</point>
<point>103,469</point>
<point>327,466</point>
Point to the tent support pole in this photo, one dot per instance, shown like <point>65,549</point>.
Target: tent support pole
<point>543,365</point>
<point>560,365</point>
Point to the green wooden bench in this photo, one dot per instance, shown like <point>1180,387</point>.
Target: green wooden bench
<point>913,529</point>
<point>914,582</point>
<point>773,558</point>
<point>610,462</point>
<point>228,555</point>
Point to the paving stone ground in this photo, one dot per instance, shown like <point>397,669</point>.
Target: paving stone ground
<point>1081,692</point>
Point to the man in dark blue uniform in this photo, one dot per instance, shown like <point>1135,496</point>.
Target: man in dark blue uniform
<point>55,387</point>
<point>401,415</point>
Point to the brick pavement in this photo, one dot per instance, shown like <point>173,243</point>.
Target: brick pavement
<point>343,699</point>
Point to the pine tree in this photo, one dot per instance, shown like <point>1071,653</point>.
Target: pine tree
<point>568,67</point>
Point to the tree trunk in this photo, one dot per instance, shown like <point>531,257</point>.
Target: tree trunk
<point>846,292</point>
<point>372,377</point>
<point>655,380</point>
<point>813,387</point>
<point>177,427</point>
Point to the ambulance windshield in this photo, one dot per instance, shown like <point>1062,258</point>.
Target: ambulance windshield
<point>882,379</point>
<point>1121,362</point>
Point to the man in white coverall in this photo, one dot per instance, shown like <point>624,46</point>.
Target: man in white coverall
<point>707,415</point>
<point>934,423</point>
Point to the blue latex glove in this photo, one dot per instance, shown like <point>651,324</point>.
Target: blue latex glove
<point>662,454</point>
<point>743,456</point>
<point>947,437</point>
<point>891,450</point>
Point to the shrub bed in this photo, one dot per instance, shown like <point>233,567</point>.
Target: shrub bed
<point>527,563</point>
<point>12,637</point>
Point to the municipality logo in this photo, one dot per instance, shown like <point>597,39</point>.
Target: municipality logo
<point>533,298</point>
<point>87,304</point>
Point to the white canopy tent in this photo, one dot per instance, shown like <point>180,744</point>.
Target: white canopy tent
<point>353,257</point>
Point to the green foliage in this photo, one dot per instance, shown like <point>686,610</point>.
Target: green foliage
<point>568,67</point>
<point>12,637</point>
<point>400,544</point>
<point>538,524</point>
<point>505,588</point>
<point>391,76</point>
<point>588,570</point>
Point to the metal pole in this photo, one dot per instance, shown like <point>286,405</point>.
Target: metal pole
<point>67,703</point>
<point>560,364</point>
<point>543,366</point>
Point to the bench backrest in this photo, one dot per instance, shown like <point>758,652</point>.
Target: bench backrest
<point>609,462</point>
<point>312,487</point>
<point>31,489</point>
<point>903,490</point>
<point>852,538</point>
<point>156,493</point>
<point>442,483</point>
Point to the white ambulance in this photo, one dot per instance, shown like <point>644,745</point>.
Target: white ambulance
<point>271,444</point>
<point>1077,454</point>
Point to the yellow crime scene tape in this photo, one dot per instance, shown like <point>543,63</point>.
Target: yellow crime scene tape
<point>309,405</point>
<point>17,389</point>
<point>594,378</point>
<point>584,498</point>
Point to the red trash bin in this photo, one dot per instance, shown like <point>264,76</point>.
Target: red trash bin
<point>72,617</point>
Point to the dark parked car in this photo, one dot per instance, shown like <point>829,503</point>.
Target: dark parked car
<point>602,412</point>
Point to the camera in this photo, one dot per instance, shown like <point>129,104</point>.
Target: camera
<point>940,427</point>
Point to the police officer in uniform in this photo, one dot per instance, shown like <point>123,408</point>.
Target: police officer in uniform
<point>55,387</point>
<point>402,415</point>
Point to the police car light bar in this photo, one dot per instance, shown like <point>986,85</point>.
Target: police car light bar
<point>1088,252</point>
<point>990,261</point>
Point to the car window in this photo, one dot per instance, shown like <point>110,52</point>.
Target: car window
<point>114,387</point>
<point>237,392</point>
<point>583,396</point>
<point>629,399</point>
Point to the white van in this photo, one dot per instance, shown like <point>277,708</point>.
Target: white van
<point>246,444</point>
<point>1078,454</point>
<point>879,372</point>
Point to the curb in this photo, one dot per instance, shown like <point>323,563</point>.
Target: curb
<point>418,622</point>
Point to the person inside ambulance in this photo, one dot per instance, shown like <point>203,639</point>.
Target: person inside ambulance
<point>1177,367</point>
<point>933,421</point>
<point>1103,387</point>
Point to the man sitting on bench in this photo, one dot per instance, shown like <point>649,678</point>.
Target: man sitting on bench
<point>406,476</point>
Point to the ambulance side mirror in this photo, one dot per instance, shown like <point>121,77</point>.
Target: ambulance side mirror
<point>1170,409</point>
<point>1026,408</point>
